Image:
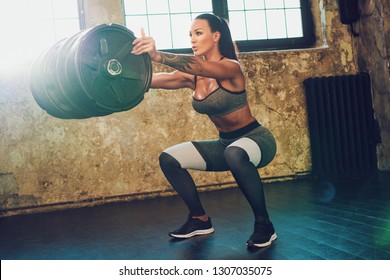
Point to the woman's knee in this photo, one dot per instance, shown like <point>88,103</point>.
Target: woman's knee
<point>235,157</point>
<point>168,161</point>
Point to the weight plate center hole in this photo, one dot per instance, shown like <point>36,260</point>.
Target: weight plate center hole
<point>114,67</point>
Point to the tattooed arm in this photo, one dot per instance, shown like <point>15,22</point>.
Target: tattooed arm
<point>225,69</point>
<point>194,65</point>
<point>183,63</point>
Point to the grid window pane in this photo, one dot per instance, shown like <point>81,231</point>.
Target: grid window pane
<point>201,6</point>
<point>274,4</point>
<point>294,23</point>
<point>160,28</point>
<point>180,34</point>
<point>292,3</point>
<point>179,6</point>
<point>236,5</point>
<point>237,26</point>
<point>45,10</point>
<point>254,4</point>
<point>157,7</point>
<point>135,7</point>
<point>135,23</point>
<point>276,24</point>
<point>65,9</point>
<point>256,25</point>
<point>66,27</point>
<point>265,19</point>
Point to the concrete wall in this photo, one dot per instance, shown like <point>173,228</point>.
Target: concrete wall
<point>373,52</point>
<point>48,163</point>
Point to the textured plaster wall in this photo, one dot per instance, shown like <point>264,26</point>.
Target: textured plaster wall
<point>69,163</point>
<point>373,45</point>
<point>102,11</point>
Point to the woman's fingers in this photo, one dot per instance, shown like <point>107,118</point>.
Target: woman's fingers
<point>142,32</point>
<point>141,45</point>
<point>140,49</point>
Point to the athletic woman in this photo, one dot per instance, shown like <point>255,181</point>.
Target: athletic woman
<point>244,145</point>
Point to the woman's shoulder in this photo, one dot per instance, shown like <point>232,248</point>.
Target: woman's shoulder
<point>233,64</point>
<point>225,59</point>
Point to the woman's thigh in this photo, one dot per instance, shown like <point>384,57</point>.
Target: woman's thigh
<point>204,155</point>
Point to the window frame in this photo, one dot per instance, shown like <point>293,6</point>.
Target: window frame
<point>307,40</point>
<point>81,11</point>
<point>220,8</point>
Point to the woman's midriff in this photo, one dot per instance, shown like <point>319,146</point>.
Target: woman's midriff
<point>234,120</point>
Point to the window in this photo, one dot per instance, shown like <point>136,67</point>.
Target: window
<point>168,21</point>
<point>271,24</point>
<point>255,24</point>
<point>28,27</point>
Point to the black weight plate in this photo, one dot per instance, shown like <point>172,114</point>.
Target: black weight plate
<point>45,88</point>
<point>97,48</point>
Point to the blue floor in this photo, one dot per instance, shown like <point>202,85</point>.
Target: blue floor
<point>313,220</point>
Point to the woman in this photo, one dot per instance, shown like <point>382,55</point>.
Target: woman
<point>216,77</point>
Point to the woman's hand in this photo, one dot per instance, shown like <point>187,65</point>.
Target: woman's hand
<point>146,45</point>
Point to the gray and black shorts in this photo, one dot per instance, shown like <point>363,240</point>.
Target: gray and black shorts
<point>208,155</point>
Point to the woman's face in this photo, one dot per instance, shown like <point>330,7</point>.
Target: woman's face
<point>202,39</point>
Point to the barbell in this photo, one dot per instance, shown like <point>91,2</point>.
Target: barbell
<point>91,74</point>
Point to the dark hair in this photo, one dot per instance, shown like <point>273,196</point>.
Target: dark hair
<point>226,44</point>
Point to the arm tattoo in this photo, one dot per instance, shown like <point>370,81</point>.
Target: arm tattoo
<point>179,62</point>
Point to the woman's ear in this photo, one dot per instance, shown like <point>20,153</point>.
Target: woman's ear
<point>216,36</point>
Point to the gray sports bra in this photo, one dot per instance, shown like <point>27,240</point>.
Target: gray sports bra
<point>220,102</point>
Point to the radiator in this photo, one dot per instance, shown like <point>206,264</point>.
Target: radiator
<point>342,127</point>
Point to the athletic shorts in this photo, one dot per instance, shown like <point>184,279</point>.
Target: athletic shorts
<point>208,155</point>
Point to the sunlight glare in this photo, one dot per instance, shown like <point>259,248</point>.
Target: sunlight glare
<point>28,27</point>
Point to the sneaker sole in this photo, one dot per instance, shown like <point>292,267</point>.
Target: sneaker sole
<point>265,244</point>
<point>194,233</point>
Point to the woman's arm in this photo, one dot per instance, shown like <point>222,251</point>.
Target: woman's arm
<point>221,70</point>
<point>172,80</point>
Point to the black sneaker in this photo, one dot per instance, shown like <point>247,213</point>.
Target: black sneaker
<point>192,228</point>
<point>263,235</point>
